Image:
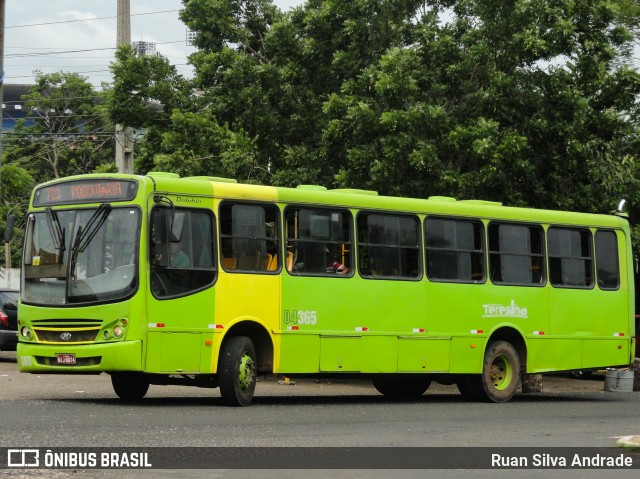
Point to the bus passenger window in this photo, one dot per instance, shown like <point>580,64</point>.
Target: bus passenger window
<point>181,251</point>
<point>318,242</point>
<point>455,250</point>
<point>607,269</point>
<point>249,237</point>
<point>570,257</point>
<point>389,246</point>
<point>516,254</point>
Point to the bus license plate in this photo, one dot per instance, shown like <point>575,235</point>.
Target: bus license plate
<point>67,359</point>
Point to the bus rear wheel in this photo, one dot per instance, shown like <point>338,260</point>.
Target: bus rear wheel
<point>401,387</point>
<point>130,386</point>
<point>500,374</point>
<point>237,371</point>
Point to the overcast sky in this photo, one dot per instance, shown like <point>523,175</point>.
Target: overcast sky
<point>79,29</point>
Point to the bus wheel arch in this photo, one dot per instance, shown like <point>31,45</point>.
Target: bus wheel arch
<point>504,361</point>
<point>261,339</point>
<point>245,351</point>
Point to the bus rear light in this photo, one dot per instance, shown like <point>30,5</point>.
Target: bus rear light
<point>4,319</point>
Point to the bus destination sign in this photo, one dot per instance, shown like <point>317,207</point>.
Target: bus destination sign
<point>85,191</point>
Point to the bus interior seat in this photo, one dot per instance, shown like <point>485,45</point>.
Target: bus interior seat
<point>250,261</point>
<point>290,260</point>
<point>271,262</point>
<point>229,263</point>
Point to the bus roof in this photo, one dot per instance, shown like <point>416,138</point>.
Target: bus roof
<point>353,198</point>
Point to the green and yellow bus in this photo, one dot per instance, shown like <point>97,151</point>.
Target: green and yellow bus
<point>203,281</point>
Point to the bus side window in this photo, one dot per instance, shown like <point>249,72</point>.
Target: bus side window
<point>318,241</point>
<point>516,254</point>
<point>607,268</point>
<point>570,257</point>
<point>389,246</point>
<point>183,257</point>
<point>455,250</point>
<point>249,237</point>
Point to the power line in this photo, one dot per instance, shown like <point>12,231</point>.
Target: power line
<point>41,54</point>
<point>86,19</point>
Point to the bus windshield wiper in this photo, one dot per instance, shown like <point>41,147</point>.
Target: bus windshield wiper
<point>85,236</point>
<point>56,231</point>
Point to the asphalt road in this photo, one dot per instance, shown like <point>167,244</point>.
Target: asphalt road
<point>76,411</point>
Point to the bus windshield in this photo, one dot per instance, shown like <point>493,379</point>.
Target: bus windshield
<point>81,256</point>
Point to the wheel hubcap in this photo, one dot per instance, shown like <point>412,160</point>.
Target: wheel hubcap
<point>246,373</point>
<point>500,373</point>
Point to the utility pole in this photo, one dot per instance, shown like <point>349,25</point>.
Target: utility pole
<point>9,223</point>
<point>124,135</point>
<point>7,246</point>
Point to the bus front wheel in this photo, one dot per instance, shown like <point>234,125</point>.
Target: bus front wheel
<point>237,371</point>
<point>130,386</point>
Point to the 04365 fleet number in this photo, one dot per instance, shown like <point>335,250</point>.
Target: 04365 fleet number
<point>298,316</point>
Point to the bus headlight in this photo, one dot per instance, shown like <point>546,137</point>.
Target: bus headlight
<point>117,331</point>
<point>26,332</point>
<point>105,334</point>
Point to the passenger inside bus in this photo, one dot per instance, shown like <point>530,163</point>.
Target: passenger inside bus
<point>316,258</point>
<point>179,259</point>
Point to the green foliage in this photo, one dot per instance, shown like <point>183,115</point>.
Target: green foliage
<point>528,102</point>
<point>145,91</point>
<point>16,188</point>
<point>200,146</point>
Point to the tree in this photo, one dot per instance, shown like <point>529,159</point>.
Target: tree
<point>521,102</point>
<point>145,92</point>
<point>528,102</point>
<point>15,187</point>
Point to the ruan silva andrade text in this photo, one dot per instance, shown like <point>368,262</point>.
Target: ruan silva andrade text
<point>549,460</point>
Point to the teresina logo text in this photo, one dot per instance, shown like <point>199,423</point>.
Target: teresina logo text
<point>502,311</point>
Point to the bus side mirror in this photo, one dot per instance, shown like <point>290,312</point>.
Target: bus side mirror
<point>8,231</point>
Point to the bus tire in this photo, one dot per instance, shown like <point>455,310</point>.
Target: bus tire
<point>469,386</point>
<point>401,386</point>
<point>237,371</point>
<point>500,373</point>
<point>130,386</point>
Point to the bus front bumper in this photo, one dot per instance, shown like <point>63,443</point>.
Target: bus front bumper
<point>86,358</point>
